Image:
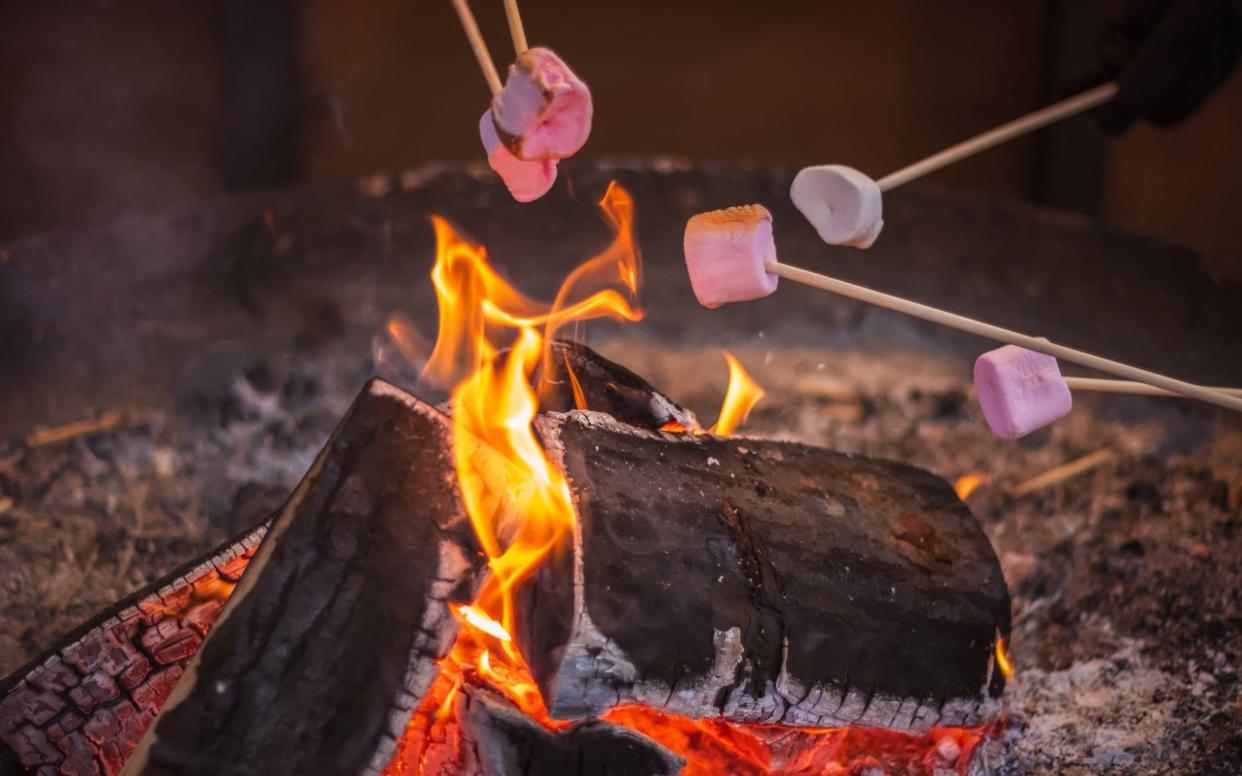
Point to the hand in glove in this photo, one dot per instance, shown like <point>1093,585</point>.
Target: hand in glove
<point>1168,56</point>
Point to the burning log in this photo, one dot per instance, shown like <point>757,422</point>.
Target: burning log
<point>576,377</point>
<point>49,712</point>
<point>826,590</point>
<point>331,639</point>
<point>488,736</point>
<point>762,582</point>
<point>82,706</point>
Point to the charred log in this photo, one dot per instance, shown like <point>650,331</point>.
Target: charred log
<point>576,377</point>
<point>499,740</point>
<point>509,743</point>
<point>163,624</point>
<point>331,639</point>
<point>762,582</point>
<point>82,706</point>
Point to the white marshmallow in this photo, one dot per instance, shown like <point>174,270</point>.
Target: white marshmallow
<point>844,206</point>
<point>725,253</point>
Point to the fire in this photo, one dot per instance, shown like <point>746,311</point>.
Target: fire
<point>1003,660</point>
<point>491,342</point>
<point>966,484</point>
<point>477,619</point>
<point>522,510</point>
<point>579,397</point>
<point>740,398</point>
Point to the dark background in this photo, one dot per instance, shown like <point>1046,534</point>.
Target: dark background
<point>110,108</point>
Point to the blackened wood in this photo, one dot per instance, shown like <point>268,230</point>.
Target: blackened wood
<point>486,735</point>
<point>503,741</point>
<point>331,639</point>
<point>82,706</point>
<point>604,386</point>
<point>762,582</point>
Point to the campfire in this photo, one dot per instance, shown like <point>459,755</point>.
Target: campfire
<point>559,570</point>
<point>933,483</point>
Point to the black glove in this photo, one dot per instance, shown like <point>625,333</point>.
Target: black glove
<point>1168,56</point>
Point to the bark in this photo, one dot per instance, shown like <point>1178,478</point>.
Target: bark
<point>82,706</point>
<point>332,638</point>
<point>762,581</point>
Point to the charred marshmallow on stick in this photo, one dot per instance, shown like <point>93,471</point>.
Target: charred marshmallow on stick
<point>526,180</point>
<point>725,255</point>
<point>544,110</point>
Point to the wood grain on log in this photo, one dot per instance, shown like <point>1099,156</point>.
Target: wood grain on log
<point>331,639</point>
<point>81,707</point>
<point>762,582</point>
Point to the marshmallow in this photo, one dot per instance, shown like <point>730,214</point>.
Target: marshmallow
<point>526,181</point>
<point>843,205</point>
<point>1020,390</point>
<point>544,111</point>
<point>725,251</point>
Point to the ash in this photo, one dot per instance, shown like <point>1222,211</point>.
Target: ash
<point>1126,577</point>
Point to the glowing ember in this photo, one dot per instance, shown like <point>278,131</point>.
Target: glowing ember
<point>966,484</point>
<point>714,747</point>
<point>521,509</point>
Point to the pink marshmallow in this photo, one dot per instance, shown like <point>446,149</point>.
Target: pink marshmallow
<point>725,252</point>
<point>526,181</point>
<point>544,110</point>
<point>1020,390</point>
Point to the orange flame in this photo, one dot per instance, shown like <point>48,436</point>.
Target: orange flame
<point>484,623</point>
<point>409,341</point>
<point>742,395</point>
<point>519,503</point>
<point>966,484</point>
<point>579,397</point>
<point>1003,660</point>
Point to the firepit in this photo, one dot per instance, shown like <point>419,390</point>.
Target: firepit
<point>271,309</point>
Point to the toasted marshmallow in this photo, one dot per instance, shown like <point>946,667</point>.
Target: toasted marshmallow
<point>1020,390</point>
<point>844,205</point>
<point>544,110</point>
<point>526,181</point>
<point>725,253</point>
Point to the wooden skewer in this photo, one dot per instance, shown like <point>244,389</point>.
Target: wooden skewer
<point>979,328</point>
<point>1063,472</point>
<point>1028,123</point>
<point>49,436</point>
<point>1128,386</point>
<point>515,27</point>
<point>480,48</point>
